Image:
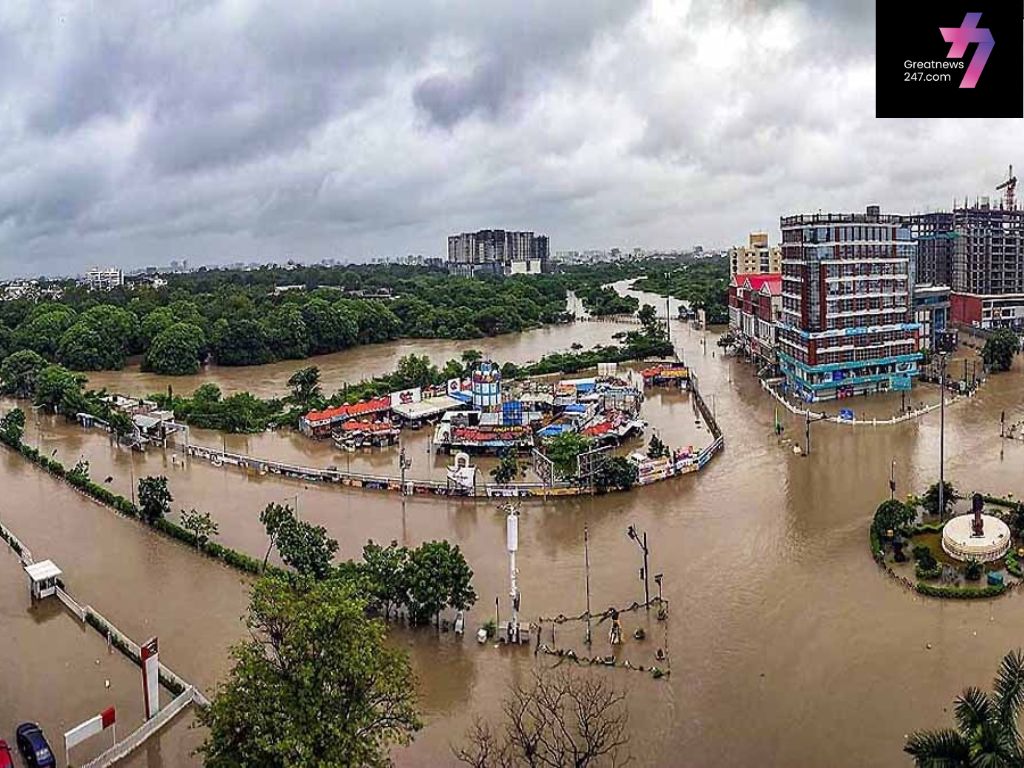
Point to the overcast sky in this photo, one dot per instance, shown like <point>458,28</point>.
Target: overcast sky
<point>133,134</point>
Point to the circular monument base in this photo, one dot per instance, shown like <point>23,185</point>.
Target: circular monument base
<point>959,541</point>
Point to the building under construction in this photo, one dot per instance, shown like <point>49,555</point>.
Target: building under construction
<point>978,250</point>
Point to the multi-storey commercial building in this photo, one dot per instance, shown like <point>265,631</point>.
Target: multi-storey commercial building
<point>755,308</point>
<point>757,257</point>
<point>846,325</point>
<point>497,252</point>
<point>978,251</point>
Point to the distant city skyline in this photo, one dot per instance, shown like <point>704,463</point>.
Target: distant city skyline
<point>223,132</point>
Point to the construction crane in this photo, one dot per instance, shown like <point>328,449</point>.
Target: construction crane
<point>1010,185</point>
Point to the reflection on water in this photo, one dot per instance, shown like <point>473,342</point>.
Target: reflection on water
<point>788,647</point>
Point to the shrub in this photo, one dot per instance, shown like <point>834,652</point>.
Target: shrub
<point>959,593</point>
<point>973,570</point>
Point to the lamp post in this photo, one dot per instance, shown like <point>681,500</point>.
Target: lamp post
<point>403,463</point>
<point>586,571</point>
<point>892,480</point>
<point>641,541</point>
<point>942,435</point>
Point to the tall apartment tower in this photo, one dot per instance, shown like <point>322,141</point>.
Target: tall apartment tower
<point>757,257</point>
<point>497,252</point>
<point>846,325</point>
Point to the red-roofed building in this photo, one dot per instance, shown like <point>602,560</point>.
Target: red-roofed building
<point>755,306</point>
<point>322,423</point>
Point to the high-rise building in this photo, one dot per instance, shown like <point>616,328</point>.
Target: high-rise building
<point>497,252</point>
<point>978,251</point>
<point>757,257</point>
<point>846,325</point>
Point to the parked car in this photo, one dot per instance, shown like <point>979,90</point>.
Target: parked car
<point>6,761</point>
<point>34,747</point>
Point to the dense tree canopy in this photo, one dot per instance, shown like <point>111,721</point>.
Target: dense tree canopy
<point>19,371</point>
<point>1000,349</point>
<point>316,685</point>
<point>176,350</point>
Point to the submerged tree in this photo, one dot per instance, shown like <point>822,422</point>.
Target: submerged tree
<point>199,524</point>
<point>562,719</point>
<point>930,500</point>
<point>987,729</point>
<point>1000,349</point>
<point>154,498</point>
<point>317,685</point>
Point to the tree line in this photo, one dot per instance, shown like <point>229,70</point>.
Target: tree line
<point>239,318</point>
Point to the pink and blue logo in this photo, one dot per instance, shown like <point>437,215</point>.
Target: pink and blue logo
<point>960,37</point>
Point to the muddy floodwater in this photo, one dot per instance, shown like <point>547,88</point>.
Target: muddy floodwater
<point>787,645</point>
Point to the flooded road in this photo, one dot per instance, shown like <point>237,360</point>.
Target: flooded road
<point>788,647</point>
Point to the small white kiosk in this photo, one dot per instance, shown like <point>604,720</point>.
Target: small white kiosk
<point>42,579</point>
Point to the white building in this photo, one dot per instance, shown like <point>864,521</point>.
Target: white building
<point>105,278</point>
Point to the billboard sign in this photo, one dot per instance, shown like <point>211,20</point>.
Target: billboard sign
<point>406,396</point>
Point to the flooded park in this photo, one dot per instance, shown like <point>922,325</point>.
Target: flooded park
<point>787,645</point>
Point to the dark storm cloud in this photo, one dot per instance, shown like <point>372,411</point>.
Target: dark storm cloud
<point>133,133</point>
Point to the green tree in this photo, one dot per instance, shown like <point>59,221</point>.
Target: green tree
<point>287,335</point>
<point>385,569</point>
<point>1000,349</point>
<point>616,472</point>
<point>86,347</point>
<point>79,474</point>
<point>20,371</point>
<point>6,341</point>
<point>470,357</point>
<point>199,524</point>
<point>154,498</point>
<point>307,548</point>
<point>60,390</point>
<point>987,726</point>
<point>121,424</point>
<point>317,685</point>
<point>155,323</point>
<point>508,469</point>
<point>438,577</point>
<point>274,517</point>
<point>564,450</point>
<point>240,342</point>
<point>330,328</point>
<point>42,330</point>
<point>892,515</point>
<point>12,426</point>
<point>930,500</point>
<point>415,371</point>
<point>305,386</point>
<point>176,351</point>
<point>656,449</point>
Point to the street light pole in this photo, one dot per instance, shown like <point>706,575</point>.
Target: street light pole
<point>586,571</point>
<point>403,464</point>
<point>942,435</point>
<point>641,541</point>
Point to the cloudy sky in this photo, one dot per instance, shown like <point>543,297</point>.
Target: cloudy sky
<point>137,133</point>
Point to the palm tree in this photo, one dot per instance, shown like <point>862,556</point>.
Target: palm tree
<point>987,735</point>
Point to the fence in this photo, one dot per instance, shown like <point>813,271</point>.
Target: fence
<point>432,487</point>
<point>186,692</point>
<point>910,415</point>
<point>149,728</point>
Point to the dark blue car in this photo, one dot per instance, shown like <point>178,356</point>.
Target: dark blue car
<point>33,746</point>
